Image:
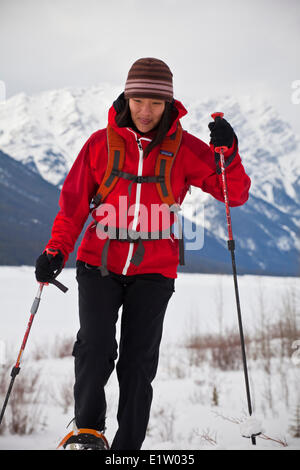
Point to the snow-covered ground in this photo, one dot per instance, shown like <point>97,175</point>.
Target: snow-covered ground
<point>195,405</point>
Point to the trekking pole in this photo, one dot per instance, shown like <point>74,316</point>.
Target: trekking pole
<point>33,310</point>
<point>231,248</point>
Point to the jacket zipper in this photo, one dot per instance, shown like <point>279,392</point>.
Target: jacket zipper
<point>137,201</point>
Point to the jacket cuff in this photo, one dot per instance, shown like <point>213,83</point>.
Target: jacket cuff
<point>53,246</point>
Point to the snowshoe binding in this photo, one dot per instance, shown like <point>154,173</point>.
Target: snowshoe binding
<point>84,439</point>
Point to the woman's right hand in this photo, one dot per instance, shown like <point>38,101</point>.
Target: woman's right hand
<point>48,265</point>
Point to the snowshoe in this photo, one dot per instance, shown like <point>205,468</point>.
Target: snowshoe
<point>84,439</point>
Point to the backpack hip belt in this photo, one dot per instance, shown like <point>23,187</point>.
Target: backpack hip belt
<point>133,236</point>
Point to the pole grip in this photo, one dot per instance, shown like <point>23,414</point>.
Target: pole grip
<point>222,148</point>
<point>51,253</point>
<point>217,115</point>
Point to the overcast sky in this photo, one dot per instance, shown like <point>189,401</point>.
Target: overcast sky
<point>213,47</point>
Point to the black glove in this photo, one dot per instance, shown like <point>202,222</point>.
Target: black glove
<point>48,265</point>
<point>221,133</point>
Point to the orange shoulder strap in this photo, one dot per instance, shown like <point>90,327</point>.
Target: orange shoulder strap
<point>116,157</point>
<point>164,163</point>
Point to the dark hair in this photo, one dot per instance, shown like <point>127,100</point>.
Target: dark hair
<point>123,119</point>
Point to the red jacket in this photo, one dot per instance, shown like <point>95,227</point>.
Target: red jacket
<point>194,165</point>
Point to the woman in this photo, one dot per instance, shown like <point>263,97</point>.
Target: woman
<point>121,262</point>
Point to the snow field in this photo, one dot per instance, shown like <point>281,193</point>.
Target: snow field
<point>195,405</point>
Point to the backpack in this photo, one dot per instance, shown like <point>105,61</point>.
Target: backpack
<point>162,179</point>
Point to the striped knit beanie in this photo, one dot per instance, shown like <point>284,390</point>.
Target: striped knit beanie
<point>149,78</point>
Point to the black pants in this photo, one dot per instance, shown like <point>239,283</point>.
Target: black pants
<point>144,298</point>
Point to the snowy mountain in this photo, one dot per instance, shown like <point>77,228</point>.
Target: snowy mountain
<point>46,131</point>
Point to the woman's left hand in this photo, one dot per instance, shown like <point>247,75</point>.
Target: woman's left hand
<point>221,133</point>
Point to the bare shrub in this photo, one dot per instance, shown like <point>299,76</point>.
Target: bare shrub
<point>164,424</point>
<point>288,325</point>
<point>63,396</point>
<point>24,418</point>
<point>23,413</point>
<point>39,352</point>
<point>294,428</point>
<point>4,373</point>
<point>196,356</point>
<point>215,396</point>
<point>272,336</point>
<point>222,351</point>
<point>177,371</point>
<point>175,366</point>
<point>62,347</point>
<point>4,376</point>
<point>197,397</point>
<point>206,436</point>
<point>278,440</point>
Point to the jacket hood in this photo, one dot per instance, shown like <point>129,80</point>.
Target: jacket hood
<point>117,107</point>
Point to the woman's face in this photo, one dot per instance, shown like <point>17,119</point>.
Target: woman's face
<point>146,112</point>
